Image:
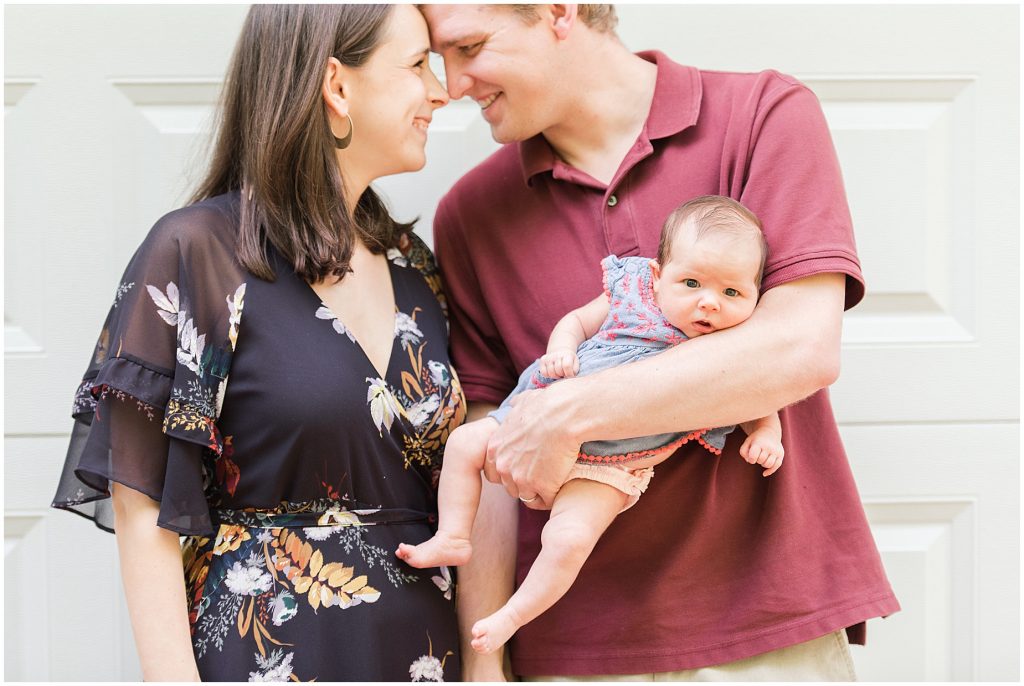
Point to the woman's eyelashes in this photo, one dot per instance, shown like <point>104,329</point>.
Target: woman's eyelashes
<point>420,60</point>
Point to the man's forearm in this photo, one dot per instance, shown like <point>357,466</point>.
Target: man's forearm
<point>786,351</point>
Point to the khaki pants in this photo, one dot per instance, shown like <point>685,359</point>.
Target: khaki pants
<point>822,659</point>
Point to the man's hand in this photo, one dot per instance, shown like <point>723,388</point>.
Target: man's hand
<point>559,364</point>
<point>533,452</point>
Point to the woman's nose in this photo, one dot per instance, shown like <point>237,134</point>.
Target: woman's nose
<point>436,93</point>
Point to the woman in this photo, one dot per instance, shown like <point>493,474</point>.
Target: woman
<point>272,381</point>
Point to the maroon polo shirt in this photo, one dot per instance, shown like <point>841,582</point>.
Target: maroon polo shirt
<point>715,563</point>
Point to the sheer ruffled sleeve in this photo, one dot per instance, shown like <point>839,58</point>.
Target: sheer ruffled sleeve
<point>146,410</point>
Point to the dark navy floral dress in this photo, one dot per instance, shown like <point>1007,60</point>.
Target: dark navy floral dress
<point>248,410</point>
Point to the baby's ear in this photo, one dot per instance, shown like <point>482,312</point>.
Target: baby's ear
<point>655,269</point>
<point>655,275</point>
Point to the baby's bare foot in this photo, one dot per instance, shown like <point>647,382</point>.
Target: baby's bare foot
<point>442,549</point>
<point>490,633</point>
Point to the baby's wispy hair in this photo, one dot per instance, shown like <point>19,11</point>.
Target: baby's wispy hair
<point>713,214</point>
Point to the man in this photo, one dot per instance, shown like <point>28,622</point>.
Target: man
<point>717,573</point>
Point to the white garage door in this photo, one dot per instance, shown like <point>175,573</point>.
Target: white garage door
<point>105,107</point>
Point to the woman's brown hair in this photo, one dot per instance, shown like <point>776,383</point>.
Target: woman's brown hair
<point>275,146</point>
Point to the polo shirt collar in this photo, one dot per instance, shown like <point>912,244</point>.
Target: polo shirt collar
<point>675,107</point>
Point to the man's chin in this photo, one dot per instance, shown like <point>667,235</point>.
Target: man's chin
<point>504,135</point>
<point>501,137</point>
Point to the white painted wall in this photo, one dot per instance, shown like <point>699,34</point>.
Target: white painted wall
<point>104,111</point>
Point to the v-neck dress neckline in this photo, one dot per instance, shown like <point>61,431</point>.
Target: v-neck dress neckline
<point>389,362</point>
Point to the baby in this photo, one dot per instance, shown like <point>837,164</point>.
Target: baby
<point>706,278</point>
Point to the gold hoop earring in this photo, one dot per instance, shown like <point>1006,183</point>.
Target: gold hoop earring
<point>342,143</point>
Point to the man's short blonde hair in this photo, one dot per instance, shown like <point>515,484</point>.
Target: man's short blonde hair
<point>601,18</point>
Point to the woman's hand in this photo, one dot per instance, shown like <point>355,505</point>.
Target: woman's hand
<point>533,451</point>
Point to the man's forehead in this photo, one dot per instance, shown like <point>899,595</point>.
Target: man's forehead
<point>451,23</point>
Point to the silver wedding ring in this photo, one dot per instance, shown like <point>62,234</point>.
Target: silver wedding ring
<point>527,500</point>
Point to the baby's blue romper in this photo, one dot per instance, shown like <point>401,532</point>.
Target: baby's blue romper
<point>634,329</point>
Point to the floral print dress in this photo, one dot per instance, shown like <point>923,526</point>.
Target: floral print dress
<point>293,469</point>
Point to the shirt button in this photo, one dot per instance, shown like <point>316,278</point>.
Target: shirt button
<point>612,201</point>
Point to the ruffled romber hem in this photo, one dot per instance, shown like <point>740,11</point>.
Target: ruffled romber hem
<point>659,451</point>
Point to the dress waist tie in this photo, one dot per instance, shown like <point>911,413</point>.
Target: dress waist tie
<point>314,515</point>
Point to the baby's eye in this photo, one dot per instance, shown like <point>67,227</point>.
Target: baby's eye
<point>692,283</point>
<point>419,65</point>
<point>731,292</point>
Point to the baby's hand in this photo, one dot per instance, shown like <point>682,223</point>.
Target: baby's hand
<point>559,364</point>
<point>763,447</point>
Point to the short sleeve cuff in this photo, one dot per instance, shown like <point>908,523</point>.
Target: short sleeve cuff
<point>824,262</point>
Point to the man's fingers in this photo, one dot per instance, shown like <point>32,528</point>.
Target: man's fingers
<point>544,500</point>
<point>490,468</point>
<point>509,483</point>
<point>491,473</point>
<point>538,504</point>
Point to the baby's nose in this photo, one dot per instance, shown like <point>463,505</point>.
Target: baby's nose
<point>708,303</point>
